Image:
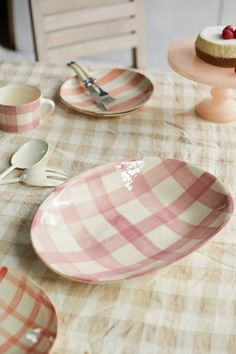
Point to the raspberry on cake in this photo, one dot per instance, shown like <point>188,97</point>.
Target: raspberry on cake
<point>227,34</point>
<point>216,45</point>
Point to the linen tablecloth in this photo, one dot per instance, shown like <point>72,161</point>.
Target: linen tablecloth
<point>186,308</point>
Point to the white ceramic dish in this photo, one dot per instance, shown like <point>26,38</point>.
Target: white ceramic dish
<point>28,321</point>
<point>129,218</point>
<point>130,89</point>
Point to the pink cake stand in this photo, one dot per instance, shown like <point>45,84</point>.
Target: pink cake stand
<point>220,107</point>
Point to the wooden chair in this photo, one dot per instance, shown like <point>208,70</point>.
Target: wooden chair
<point>73,29</point>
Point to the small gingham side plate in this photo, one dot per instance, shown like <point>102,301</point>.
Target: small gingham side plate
<point>28,321</point>
<point>130,89</point>
<point>126,219</point>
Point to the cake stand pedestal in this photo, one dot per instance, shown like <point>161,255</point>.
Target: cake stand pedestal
<point>220,107</point>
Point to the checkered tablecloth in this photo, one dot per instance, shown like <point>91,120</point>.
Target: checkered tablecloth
<point>186,308</point>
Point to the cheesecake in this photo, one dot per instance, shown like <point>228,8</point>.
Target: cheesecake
<point>216,45</point>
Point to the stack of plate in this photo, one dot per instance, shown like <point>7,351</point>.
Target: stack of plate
<point>130,89</point>
<point>129,218</point>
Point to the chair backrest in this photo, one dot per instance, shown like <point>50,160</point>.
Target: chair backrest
<point>73,29</point>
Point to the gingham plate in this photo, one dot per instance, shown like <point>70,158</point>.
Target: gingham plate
<point>28,321</point>
<point>126,219</point>
<point>130,89</point>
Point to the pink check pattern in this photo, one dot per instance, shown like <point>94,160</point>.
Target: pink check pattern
<point>27,318</point>
<point>93,228</point>
<point>131,90</point>
<point>20,118</point>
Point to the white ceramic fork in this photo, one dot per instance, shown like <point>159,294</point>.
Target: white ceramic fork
<point>39,176</point>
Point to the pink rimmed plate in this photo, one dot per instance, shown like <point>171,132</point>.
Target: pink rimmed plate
<point>130,89</point>
<point>28,321</point>
<point>126,219</point>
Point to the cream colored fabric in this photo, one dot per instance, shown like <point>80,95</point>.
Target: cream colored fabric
<point>186,308</point>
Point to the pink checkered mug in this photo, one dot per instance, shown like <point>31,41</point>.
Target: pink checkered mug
<point>20,107</point>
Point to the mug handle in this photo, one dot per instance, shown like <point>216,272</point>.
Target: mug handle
<point>50,103</point>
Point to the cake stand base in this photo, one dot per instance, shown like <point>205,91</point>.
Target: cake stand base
<point>220,108</point>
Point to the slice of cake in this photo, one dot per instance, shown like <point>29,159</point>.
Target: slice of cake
<point>216,45</point>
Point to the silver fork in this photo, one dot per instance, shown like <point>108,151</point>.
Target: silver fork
<point>105,96</point>
<point>89,86</point>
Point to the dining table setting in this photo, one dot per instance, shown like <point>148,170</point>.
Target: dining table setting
<point>117,230</point>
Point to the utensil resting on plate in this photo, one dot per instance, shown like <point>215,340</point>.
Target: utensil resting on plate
<point>101,97</point>
<point>105,96</point>
<point>131,89</point>
<point>39,176</point>
<point>27,155</point>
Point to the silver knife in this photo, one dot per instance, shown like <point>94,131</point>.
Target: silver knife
<point>95,95</point>
<point>93,92</point>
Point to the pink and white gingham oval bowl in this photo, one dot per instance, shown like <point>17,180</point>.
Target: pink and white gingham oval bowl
<point>128,218</point>
<point>28,321</point>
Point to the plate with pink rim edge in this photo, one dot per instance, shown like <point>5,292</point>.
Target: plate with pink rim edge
<point>131,90</point>
<point>28,320</point>
<point>104,116</point>
<point>128,218</point>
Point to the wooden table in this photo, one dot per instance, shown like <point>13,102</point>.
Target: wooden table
<point>188,307</point>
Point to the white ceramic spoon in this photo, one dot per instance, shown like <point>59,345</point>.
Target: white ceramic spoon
<point>27,155</point>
